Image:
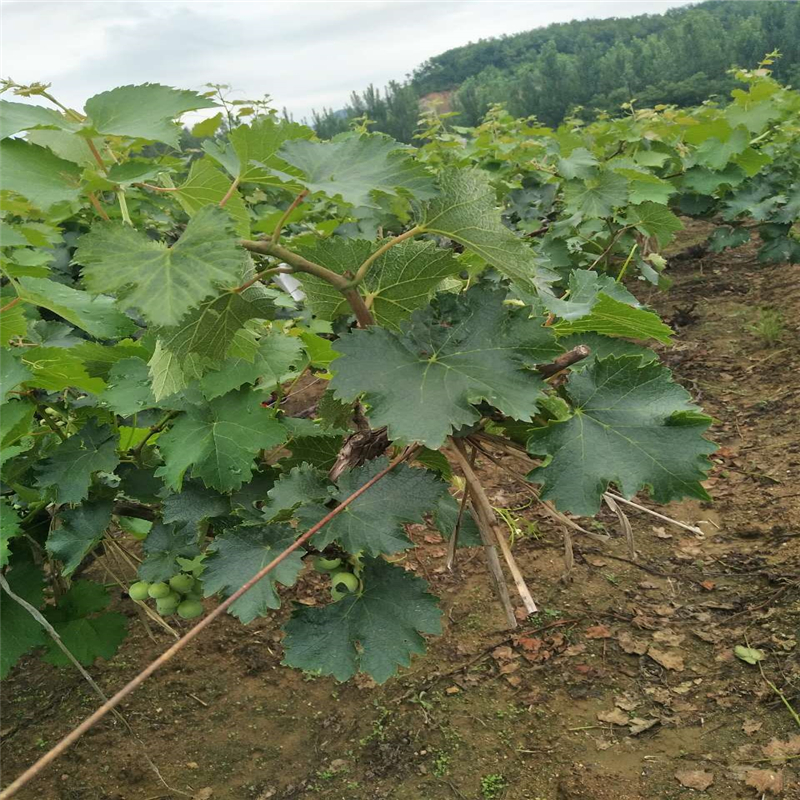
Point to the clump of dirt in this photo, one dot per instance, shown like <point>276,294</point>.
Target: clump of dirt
<point>624,686</point>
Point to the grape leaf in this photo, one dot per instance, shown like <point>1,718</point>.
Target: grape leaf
<point>16,117</point>
<point>239,554</point>
<point>400,281</point>
<point>579,164</point>
<point>219,441</point>
<point>12,372</point>
<point>300,486</point>
<point>9,528</point>
<point>81,529</point>
<point>654,219</point>
<point>727,236</point>
<point>374,522</point>
<point>206,185</point>
<point>631,426</point>
<point>98,315</point>
<point>466,211</point>
<point>256,149</point>
<point>585,286</point>
<point>164,283</point>
<point>596,196</point>
<point>36,174</point>
<point>16,418</point>
<point>86,633</point>
<point>357,166</point>
<point>446,516</point>
<point>128,391</point>
<point>99,358</point>
<point>143,112</point>
<point>375,631</point>
<point>58,368</point>
<point>13,324</point>
<point>194,506</point>
<point>276,359</point>
<point>320,450</point>
<point>422,383</point>
<point>163,546</point>
<point>69,146</point>
<point>69,469</point>
<point>21,632</point>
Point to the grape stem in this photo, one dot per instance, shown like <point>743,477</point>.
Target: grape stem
<point>110,704</point>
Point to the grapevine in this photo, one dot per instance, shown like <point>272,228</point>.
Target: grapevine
<point>474,290</point>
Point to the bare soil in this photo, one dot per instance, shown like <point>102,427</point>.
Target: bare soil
<point>624,686</point>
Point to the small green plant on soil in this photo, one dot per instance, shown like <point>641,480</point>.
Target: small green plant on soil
<point>441,764</point>
<point>769,327</point>
<point>493,786</point>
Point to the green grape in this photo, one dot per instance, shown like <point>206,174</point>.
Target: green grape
<point>158,590</point>
<point>322,564</point>
<point>189,609</point>
<point>139,591</point>
<point>193,595</point>
<point>181,583</point>
<point>344,582</point>
<point>167,605</point>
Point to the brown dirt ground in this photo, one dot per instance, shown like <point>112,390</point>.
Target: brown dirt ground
<point>553,713</point>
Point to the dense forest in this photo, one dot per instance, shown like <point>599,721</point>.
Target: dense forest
<point>679,57</point>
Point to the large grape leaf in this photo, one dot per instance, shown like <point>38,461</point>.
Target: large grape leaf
<point>36,174</point>
<point>301,485</point>
<point>596,196</point>
<point>164,283</point>
<point>467,212</point>
<point>239,554</point>
<point>633,426</point>
<point>98,315</point>
<point>21,632</point>
<point>12,372</point>
<point>86,632</point>
<point>356,166</point>
<point>81,529</point>
<point>275,361</point>
<point>163,546</point>
<point>206,185</point>
<point>143,112</point>
<point>375,631</point>
<point>193,506</point>
<point>128,391</point>
<point>654,219</point>
<point>68,470</point>
<point>255,148</point>
<point>374,522</point>
<point>423,383</point>
<point>58,368</point>
<point>219,441</point>
<point>400,281</point>
<point>584,287</point>
<point>16,117</point>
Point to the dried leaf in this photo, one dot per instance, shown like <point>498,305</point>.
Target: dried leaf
<point>750,726</point>
<point>765,780</point>
<point>598,632</point>
<point>669,638</point>
<point>777,750</point>
<point>639,725</point>
<point>614,717</point>
<point>667,659</point>
<point>695,779</point>
<point>626,702</point>
<point>631,645</point>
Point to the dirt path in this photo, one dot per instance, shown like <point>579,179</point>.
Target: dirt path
<point>625,686</point>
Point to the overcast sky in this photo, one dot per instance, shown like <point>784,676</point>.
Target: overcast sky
<point>304,54</point>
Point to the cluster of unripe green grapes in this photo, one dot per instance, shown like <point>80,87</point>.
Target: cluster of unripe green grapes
<point>182,595</point>
<point>343,582</point>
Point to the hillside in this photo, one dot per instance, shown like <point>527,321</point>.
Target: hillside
<point>679,57</point>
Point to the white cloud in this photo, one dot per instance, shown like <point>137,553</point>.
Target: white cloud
<point>305,53</point>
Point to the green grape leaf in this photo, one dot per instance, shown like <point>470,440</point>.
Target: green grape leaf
<point>320,449</point>
<point>585,286</point>
<point>715,153</point>
<point>169,373</point>
<point>644,187</point>
<point>633,426</point>
<point>357,166</point>
<point>219,441</point>
<point>726,236</point>
<point>35,173</point>
<point>654,219</point>
<point>596,196</point>
<point>706,181</point>
<point>255,148</point>
<point>276,361</point>
<point>16,418</point>
<point>422,383</point>
<point>193,506</point>
<point>97,315</point>
<point>163,546</point>
<point>374,522</point>
<point>99,358</point>
<point>58,368</point>
<point>467,212</point>
<point>205,186</point>
<point>579,164</point>
<point>81,529</point>
<point>143,112</point>
<point>9,528</point>
<point>238,554</point>
<point>12,372</point>
<point>375,631</point>
<point>400,281</point>
<point>13,324</point>
<point>207,127</point>
<point>86,633</point>
<point>333,413</point>
<point>21,632</point>
<point>69,468</point>
<point>164,283</point>
<point>17,117</point>
<point>69,146</point>
<point>612,317</point>
<point>128,391</point>
<point>302,485</point>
